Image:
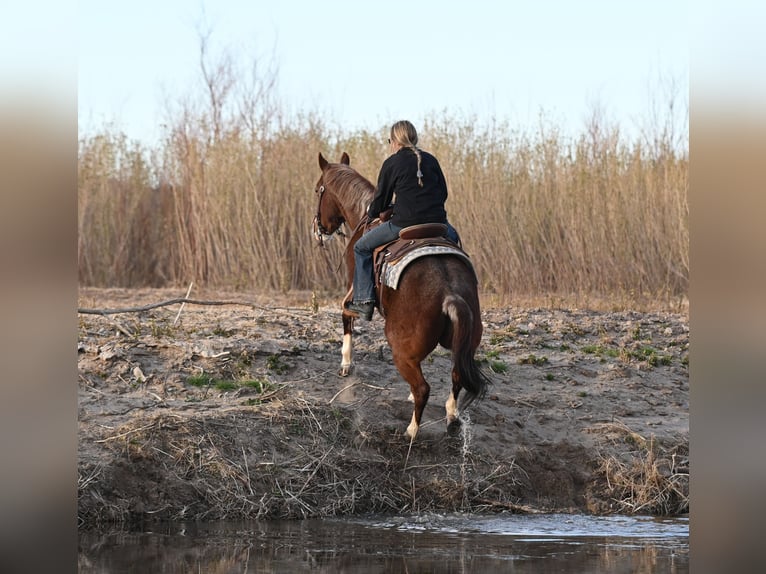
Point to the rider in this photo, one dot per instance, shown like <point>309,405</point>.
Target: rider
<point>416,178</point>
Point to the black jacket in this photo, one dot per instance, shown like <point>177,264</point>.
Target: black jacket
<point>414,204</point>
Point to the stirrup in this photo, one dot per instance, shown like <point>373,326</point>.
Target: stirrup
<point>364,310</point>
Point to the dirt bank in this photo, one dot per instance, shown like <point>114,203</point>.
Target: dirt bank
<point>236,411</point>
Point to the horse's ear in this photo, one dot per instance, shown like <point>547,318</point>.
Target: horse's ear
<point>345,159</point>
<point>323,163</point>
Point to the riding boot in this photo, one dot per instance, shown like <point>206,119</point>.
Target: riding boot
<point>365,309</point>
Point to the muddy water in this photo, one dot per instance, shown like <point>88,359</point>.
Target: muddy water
<point>431,543</point>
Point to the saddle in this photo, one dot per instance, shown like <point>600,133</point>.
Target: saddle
<point>415,241</point>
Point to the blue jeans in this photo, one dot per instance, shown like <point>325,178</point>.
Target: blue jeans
<point>452,234</point>
<point>364,280</point>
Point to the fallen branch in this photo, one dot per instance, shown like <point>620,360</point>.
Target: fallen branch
<point>174,302</point>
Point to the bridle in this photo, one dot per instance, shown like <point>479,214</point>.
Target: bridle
<point>320,231</point>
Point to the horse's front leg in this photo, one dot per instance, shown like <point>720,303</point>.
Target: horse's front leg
<point>347,350</point>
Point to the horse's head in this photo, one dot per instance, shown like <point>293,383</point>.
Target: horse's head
<point>329,216</point>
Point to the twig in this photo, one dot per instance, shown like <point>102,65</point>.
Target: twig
<point>429,423</point>
<point>247,471</point>
<point>120,328</point>
<point>188,291</point>
<point>82,483</point>
<point>319,426</point>
<point>316,469</point>
<point>335,396</point>
<point>121,435</point>
<point>406,460</point>
<point>525,403</point>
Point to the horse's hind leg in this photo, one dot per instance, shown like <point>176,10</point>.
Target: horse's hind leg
<point>419,388</point>
<point>453,420</point>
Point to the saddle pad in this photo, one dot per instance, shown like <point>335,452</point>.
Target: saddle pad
<point>391,272</point>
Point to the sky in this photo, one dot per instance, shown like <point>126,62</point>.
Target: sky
<point>367,64</point>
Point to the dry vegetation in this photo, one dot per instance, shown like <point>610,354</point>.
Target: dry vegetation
<point>226,199</point>
<point>646,477</point>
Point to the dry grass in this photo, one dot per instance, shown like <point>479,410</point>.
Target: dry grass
<point>226,200</point>
<point>292,459</point>
<point>648,479</point>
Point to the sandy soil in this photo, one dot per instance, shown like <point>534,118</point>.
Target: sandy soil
<point>237,411</point>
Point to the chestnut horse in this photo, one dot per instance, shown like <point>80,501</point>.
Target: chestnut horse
<point>436,301</point>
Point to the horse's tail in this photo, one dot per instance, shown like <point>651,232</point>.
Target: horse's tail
<point>464,365</point>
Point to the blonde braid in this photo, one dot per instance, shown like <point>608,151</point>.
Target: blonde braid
<point>404,133</point>
<point>420,173</point>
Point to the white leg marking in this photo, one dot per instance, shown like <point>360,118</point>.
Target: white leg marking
<point>451,407</point>
<point>347,353</point>
<point>411,398</point>
<point>412,430</point>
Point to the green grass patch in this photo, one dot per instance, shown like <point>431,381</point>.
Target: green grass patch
<point>601,351</point>
<point>200,380</point>
<point>650,355</point>
<point>533,360</point>
<point>203,381</point>
<point>274,363</point>
<point>161,330</point>
<point>226,385</point>
<point>498,367</point>
<point>259,385</point>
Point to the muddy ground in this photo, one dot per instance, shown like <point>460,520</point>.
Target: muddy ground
<point>237,412</point>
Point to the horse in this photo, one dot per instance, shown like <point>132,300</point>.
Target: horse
<point>436,300</point>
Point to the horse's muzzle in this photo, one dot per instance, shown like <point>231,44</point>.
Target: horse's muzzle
<point>319,236</point>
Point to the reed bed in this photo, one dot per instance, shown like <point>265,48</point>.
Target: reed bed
<point>228,203</point>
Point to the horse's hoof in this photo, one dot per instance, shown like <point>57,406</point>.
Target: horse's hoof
<point>453,427</point>
<point>345,370</point>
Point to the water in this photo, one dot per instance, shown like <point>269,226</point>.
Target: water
<point>429,543</point>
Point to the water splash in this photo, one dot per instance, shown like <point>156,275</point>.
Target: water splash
<point>466,434</point>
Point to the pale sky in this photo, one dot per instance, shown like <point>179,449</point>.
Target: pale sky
<point>366,64</point>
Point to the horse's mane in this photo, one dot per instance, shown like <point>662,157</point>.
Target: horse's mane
<point>352,188</point>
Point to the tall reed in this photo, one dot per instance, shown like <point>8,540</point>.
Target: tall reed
<point>543,214</point>
<point>227,200</point>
